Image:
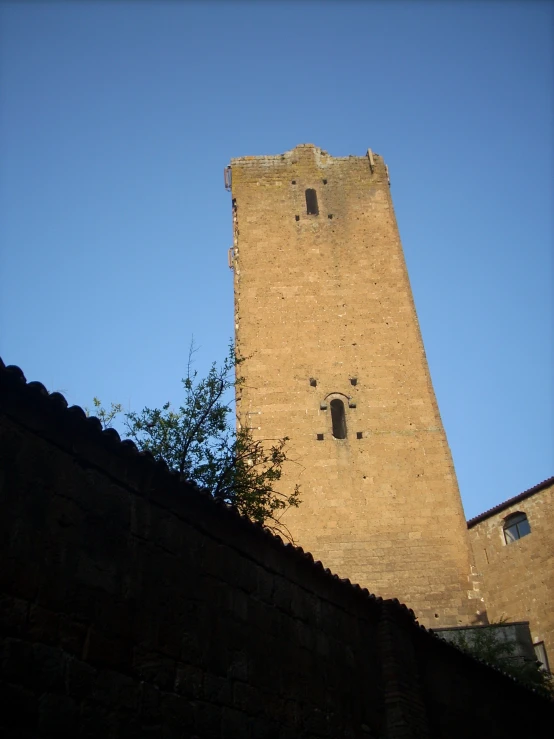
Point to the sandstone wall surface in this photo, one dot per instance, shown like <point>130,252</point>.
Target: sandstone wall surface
<point>518,578</point>
<point>324,311</point>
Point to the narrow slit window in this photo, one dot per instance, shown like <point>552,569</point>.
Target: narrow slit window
<point>338,419</point>
<point>311,202</point>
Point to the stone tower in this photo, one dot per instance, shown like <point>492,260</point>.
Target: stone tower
<point>324,312</point>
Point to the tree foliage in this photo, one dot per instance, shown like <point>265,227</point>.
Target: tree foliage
<point>484,644</point>
<point>198,440</point>
<point>104,415</point>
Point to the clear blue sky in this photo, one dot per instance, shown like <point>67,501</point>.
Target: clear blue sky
<point>116,120</point>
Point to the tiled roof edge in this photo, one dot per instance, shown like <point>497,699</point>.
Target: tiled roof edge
<point>13,382</point>
<point>511,501</point>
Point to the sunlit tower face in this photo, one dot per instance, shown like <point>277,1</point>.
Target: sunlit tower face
<point>335,361</point>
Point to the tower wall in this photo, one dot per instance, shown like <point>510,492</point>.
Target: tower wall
<point>324,311</point>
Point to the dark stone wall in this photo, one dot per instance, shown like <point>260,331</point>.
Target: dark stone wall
<point>134,606</point>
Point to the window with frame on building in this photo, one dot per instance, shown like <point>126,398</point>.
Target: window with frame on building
<point>515,527</point>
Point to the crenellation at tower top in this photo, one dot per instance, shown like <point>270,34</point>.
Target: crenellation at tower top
<point>299,153</point>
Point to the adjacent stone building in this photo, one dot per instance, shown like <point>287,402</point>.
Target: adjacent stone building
<point>513,546</point>
<point>335,361</point>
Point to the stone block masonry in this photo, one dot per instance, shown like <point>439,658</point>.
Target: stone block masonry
<point>335,361</point>
<point>132,605</point>
<point>518,576</point>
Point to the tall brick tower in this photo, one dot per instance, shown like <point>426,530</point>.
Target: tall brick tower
<point>324,311</point>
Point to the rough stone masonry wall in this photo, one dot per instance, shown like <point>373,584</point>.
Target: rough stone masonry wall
<point>134,606</point>
<point>518,578</point>
<point>324,310</point>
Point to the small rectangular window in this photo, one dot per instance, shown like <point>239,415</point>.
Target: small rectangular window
<point>312,208</point>
<point>540,654</point>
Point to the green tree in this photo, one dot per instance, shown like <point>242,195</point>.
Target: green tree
<point>484,644</point>
<point>104,415</point>
<point>199,441</point>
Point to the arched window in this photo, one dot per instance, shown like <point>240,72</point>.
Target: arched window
<point>515,526</point>
<point>338,418</point>
<point>312,208</point>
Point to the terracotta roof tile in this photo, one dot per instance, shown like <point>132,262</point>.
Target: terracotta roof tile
<point>511,501</point>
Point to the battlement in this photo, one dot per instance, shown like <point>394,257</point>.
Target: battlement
<point>303,152</point>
